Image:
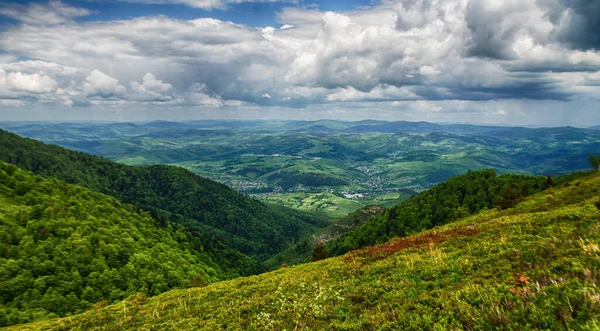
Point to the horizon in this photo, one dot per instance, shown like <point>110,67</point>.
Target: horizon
<point>142,122</point>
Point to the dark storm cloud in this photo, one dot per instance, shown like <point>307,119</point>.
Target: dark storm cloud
<point>580,28</point>
<point>489,36</point>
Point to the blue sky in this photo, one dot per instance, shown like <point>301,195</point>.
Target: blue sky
<point>255,14</point>
<point>520,62</point>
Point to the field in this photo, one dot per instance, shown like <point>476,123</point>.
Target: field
<point>328,203</point>
<point>331,204</point>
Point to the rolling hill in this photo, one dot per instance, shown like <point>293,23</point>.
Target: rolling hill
<point>534,266</point>
<point>371,157</point>
<point>202,206</point>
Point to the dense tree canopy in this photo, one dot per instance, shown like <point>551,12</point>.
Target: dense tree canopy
<point>64,248</point>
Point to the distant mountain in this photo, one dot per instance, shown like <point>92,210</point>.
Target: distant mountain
<point>595,127</point>
<point>167,125</point>
<point>533,266</point>
<point>267,156</point>
<point>67,132</point>
<point>201,205</point>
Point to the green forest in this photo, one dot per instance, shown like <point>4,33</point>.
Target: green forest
<point>64,248</point>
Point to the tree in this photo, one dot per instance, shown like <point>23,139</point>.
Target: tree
<point>595,161</point>
<point>319,252</point>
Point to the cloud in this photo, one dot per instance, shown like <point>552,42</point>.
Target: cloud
<point>579,23</point>
<point>21,84</point>
<point>35,83</point>
<point>426,52</point>
<point>53,13</point>
<point>99,84</point>
<point>151,89</point>
<point>205,4</point>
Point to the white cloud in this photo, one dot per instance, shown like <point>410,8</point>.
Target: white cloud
<point>151,89</point>
<point>382,92</point>
<point>35,83</point>
<point>102,85</point>
<point>53,13</point>
<point>428,70</point>
<point>205,4</point>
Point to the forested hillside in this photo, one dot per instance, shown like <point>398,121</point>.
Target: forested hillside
<point>303,250</point>
<point>458,197</point>
<point>201,205</point>
<point>533,266</point>
<point>64,248</point>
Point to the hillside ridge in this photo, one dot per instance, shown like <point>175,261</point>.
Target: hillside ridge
<point>533,266</point>
<point>201,205</point>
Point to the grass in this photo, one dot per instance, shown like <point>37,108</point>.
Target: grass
<point>330,204</point>
<point>535,266</point>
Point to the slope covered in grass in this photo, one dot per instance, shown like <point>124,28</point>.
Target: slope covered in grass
<point>201,205</point>
<point>534,266</point>
<point>64,248</point>
<point>457,197</point>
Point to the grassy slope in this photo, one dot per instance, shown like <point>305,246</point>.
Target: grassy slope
<point>535,266</point>
<point>457,197</point>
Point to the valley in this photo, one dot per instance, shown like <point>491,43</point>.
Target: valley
<point>78,229</point>
<point>357,162</point>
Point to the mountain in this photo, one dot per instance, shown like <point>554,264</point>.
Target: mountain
<point>201,205</point>
<point>534,266</point>
<point>68,132</point>
<point>457,197</point>
<point>64,248</point>
<point>597,127</point>
<point>287,156</point>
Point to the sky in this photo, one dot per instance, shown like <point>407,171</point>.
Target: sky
<point>511,62</point>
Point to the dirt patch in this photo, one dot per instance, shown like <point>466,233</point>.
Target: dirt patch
<point>422,240</point>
